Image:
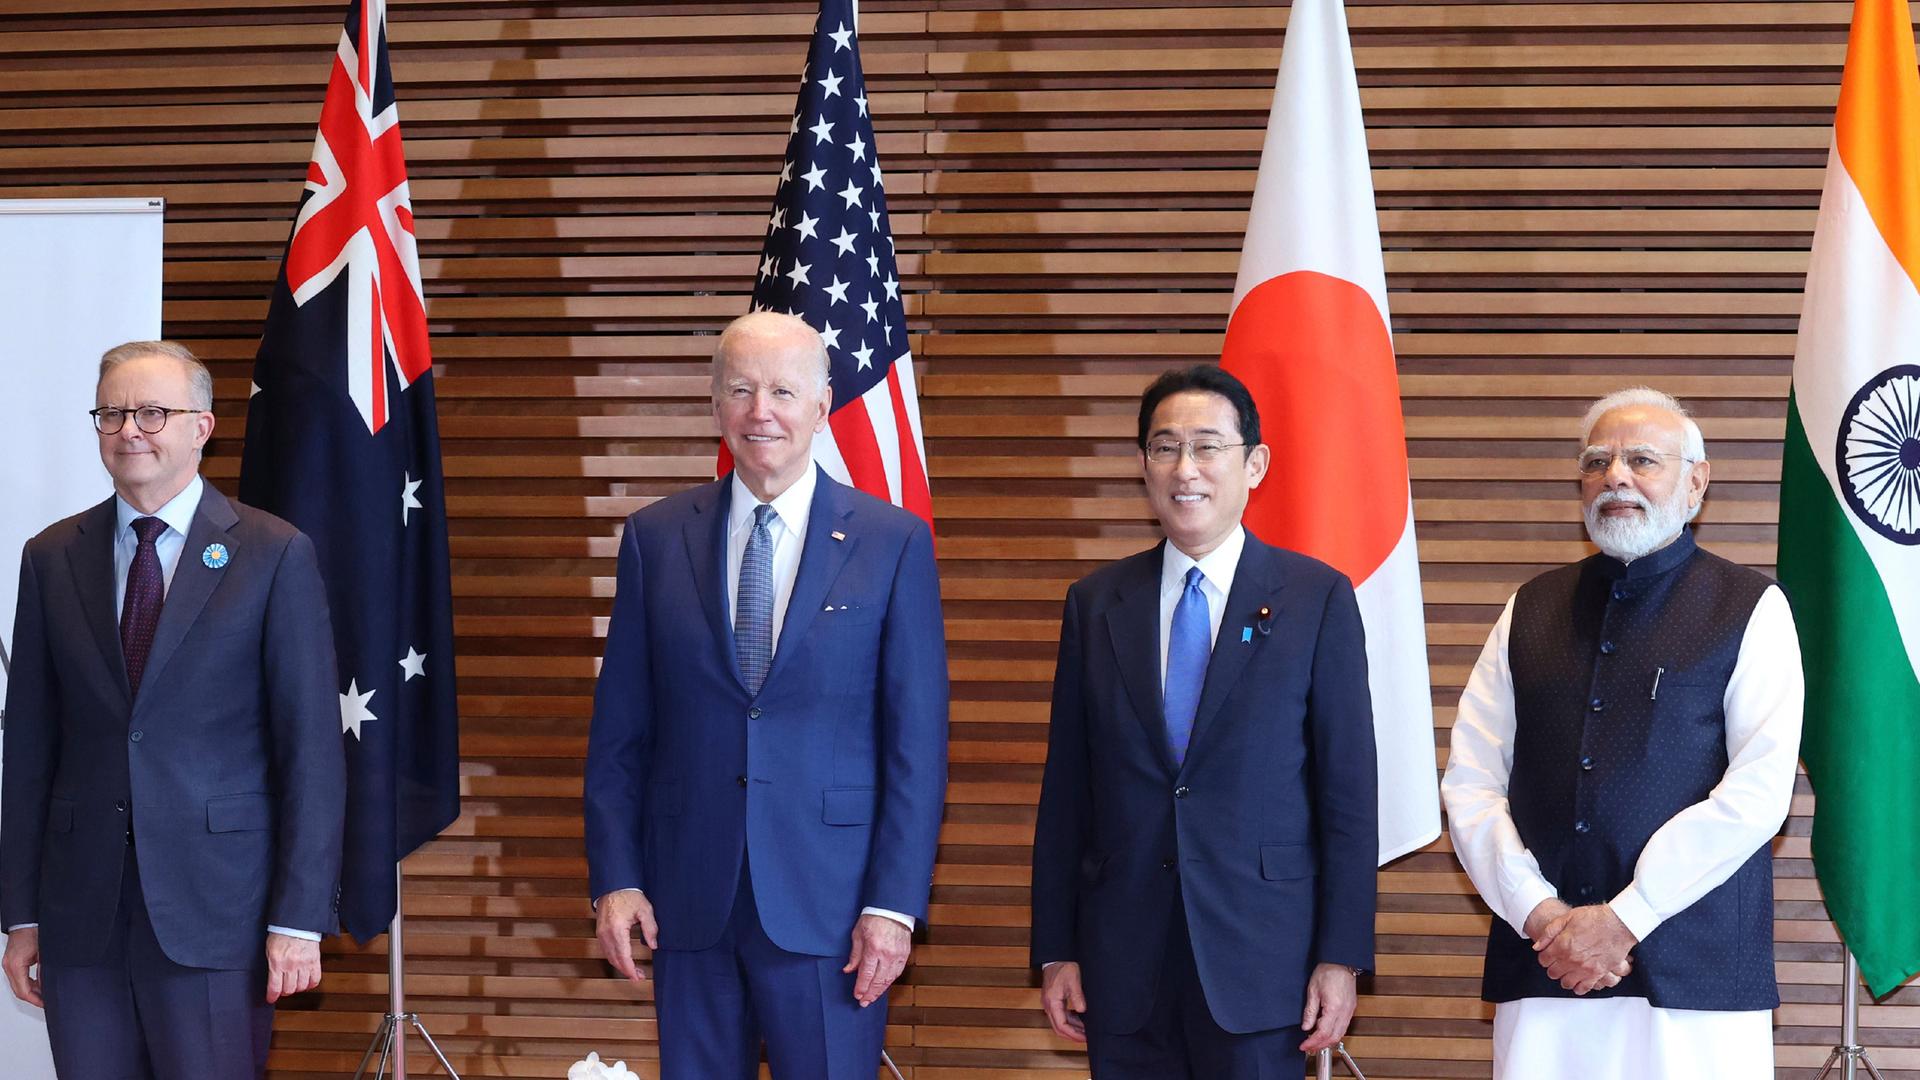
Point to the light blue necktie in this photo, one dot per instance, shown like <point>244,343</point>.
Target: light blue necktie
<point>1189,647</point>
<point>753,603</point>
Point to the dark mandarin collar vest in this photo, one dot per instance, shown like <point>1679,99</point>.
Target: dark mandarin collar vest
<point>1619,675</point>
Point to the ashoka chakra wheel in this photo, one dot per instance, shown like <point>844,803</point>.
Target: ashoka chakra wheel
<point>1878,456</point>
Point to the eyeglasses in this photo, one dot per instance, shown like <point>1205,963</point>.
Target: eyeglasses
<point>108,420</point>
<point>1167,451</point>
<point>1642,461</point>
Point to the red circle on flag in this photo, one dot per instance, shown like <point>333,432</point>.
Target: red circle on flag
<point>1319,360</point>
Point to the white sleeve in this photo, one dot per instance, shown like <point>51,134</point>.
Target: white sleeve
<point>1479,766</point>
<point>1699,848</point>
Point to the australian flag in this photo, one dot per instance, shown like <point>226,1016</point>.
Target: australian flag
<point>828,258</point>
<point>342,441</point>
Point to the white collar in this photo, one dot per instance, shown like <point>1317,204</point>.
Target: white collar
<point>792,504</point>
<point>177,513</point>
<point>1216,566</point>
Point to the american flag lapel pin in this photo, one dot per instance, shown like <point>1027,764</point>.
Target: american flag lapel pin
<point>838,535</point>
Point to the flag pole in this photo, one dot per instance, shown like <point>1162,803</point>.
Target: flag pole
<point>1325,1063</point>
<point>1848,1053</point>
<point>391,1039</point>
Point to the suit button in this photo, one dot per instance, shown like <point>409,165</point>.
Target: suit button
<point>1596,705</point>
<point>1607,648</point>
<point>1586,890</point>
<point>1180,792</point>
<point>741,780</point>
<point>1586,763</point>
<point>120,805</point>
<point>753,713</point>
<point>1581,826</point>
<point>1619,594</point>
<point>133,736</point>
<point>1166,864</point>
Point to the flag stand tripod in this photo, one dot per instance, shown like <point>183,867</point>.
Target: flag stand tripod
<point>1325,1063</point>
<point>391,1038</point>
<point>1848,1053</point>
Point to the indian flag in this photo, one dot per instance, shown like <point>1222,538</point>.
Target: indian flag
<point>1850,503</point>
<point>1309,336</point>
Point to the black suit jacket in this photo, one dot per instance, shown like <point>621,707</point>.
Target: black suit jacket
<point>1267,833</point>
<point>227,765</point>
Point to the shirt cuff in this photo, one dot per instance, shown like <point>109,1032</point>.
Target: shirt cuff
<point>595,902</point>
<point>23,926</point>
<point>1634,911</point>
<point>303,935</point>
<point>903,920</point>
<point>1527,898</point>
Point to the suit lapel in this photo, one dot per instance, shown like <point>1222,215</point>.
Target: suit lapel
<point>91,560</point>
<point>821,558</point>
<point>1133,624</point>
<point>193,580</point>
<point>706,538</point>
<point>1255,583</point>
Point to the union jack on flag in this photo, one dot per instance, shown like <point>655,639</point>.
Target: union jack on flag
<point>343,441</point>
<point>828,258</point>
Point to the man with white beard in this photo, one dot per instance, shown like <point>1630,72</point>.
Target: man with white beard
<point>1622,757</point>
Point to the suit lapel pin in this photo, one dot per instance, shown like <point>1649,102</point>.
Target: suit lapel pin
<point>1246,634</point>
<point>1263,620</point>
<point>215,556</point>
<point>838,535</point>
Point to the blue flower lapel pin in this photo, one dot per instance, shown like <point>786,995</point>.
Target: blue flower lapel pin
<point>215,556</point>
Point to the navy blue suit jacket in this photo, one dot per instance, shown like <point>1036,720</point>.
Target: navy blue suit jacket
<point>228,762</point>
<point>831,780</point>
<point>1268,831</point>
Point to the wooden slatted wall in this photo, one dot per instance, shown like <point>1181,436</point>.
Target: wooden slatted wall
<point>1573,196</point>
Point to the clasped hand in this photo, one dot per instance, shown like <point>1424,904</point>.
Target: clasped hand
<point>1583,949</point>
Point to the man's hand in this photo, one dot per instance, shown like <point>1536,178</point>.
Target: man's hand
<point>880,949</point>
<point>616,913</point>
<point>1586,949</point>
<point>23,952</point>
<point>1545,913</point>
<point>1062,1000</point>
<point>1332,993</point>
<point>293,966</point>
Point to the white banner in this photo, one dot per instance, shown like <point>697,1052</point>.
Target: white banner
<point>77,277</point>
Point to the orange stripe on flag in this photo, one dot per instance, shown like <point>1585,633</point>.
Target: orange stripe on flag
<point>1877,125</point>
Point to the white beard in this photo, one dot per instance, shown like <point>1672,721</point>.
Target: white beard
<point>1628,538</point>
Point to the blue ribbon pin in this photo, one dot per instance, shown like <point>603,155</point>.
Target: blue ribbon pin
<point>215,556</point>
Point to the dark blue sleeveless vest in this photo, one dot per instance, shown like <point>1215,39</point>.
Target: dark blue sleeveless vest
<point>1602,757</point>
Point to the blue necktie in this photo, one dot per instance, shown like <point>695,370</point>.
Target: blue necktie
<point>1189,647</point>
<point>753,603</point>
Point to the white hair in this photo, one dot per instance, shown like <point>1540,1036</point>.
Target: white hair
<point>199,379</point>
<point>772,325</point>
<point>1695,448</point>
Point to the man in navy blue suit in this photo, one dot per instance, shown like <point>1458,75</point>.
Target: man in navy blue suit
<point>768,758</point>
<point>174,789</point>
<point>1203,862</point>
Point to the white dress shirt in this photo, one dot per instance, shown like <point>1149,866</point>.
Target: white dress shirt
<point>1216,568</point>
<point>178,516</point>
<point>1693,853</point>
<point>788,529</point>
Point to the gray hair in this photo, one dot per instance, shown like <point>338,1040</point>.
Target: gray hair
<point>1695,448</point>
<point>199,379</point>
<point>770,325</point>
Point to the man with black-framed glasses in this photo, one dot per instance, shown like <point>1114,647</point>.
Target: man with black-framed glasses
<point>173,797</point>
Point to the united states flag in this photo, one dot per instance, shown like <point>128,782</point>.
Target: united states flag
<point>342,441</point>
<point>828,258</point>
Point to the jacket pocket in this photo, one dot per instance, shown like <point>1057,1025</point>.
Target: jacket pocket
<point>667,798</point>
<point>239,813</point>
<point>1286,862</point>
<point>60,815</point>
<point>847,806</point>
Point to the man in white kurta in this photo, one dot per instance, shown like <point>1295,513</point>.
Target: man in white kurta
<point>1575,759</point>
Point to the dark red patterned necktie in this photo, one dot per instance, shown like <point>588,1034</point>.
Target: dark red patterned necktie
<point>146,591</point>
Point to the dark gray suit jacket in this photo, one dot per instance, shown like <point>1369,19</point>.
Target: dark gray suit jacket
<point>227,766</point>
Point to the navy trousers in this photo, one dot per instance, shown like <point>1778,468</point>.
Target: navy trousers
<point>137,1015</point>
<point>1181,1041</point>
<point>715,1006</point>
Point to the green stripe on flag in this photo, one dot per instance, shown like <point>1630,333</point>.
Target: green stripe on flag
<point>1862,741</point>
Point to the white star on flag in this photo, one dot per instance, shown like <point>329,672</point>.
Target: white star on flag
<point>830,336</point>
<point>859,148</point>
<point>864,354</point>
<point>873,263</point>
<point>892,285</point>
<point>766,267</point>
<point>252,388</point>
<point>844,241</point>
<point>353,709</point>
<point>872,308</point>
<point>407,500</point>
<point>851,194</point>
<point>876,177</point>
<point>842,38</point>
<point>815,178</point>
<point>807,224</point>
<point>822,131</point>
<point>860,101</point>
<point>414,663</point>
<point>794,128</point>
<point>798,275</point>
<point>778,220</point>
<point>831,84</point>
<point>837,290</point>
<point>786,172</point>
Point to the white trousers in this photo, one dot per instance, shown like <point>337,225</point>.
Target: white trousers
<point>1624,1038</point>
